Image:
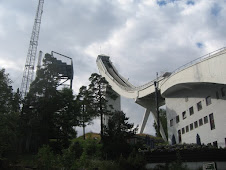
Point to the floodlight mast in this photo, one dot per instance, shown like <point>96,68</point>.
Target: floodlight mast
<point>31,55</point>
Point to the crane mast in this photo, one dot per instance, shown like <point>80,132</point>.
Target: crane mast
<point>31,55</point>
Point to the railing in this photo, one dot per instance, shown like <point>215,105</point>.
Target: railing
<point>198,60</point>
<point>132,89</point>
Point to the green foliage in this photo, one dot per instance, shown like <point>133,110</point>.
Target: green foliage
<point>9,116</point>
<point>184,147</point>
<point>80,153</point>
<point>86,108</point>
<point>134,161</point>
<point>71,155</point>
<point>48,113</point>
<point>6,94</point>
<point>116,134</point>
<point>46,159</point>
<point>98,88</point>
<point>177,165</point>
<point>163,120</point>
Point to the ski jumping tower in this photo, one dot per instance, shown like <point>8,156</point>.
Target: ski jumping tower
<point>30,61</point>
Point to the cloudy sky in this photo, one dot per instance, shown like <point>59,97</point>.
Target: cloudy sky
<point>141,36</point>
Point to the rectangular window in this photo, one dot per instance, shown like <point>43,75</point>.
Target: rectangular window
<point>184,115</point>
<point>187,128</point>
<point>196,124</point>
<point>177,119</point>
<point>191,110</point>
<point>222,91</point>
<point>217,95</point>
<point>205,119</point>
<point>215,144</point>
<point>199,106</point>
<point>212,124</point>
<point>191,126</point>
<point>171,122</point>
<point>183,131</point>
<point>200,122</point>
<point>208,100</point>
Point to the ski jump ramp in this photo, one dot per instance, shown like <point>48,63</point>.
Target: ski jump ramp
<point>201,70</point>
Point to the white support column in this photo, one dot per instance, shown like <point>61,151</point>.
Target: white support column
<point>146,115</point>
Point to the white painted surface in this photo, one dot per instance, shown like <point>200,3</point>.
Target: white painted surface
<point>208,74</point>
<point>176,104</point>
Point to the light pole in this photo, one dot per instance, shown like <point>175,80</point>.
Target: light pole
<point>157,104</point>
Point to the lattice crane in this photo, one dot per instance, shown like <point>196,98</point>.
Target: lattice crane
<point>31,55</point>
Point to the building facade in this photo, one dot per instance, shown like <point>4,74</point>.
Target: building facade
<point>197,114</point>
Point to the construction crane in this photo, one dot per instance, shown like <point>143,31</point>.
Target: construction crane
<point>31,55</point>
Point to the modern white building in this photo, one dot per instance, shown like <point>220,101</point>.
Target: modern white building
<point>113,104</point>
<point>198,110</point>
<point>194,95</point>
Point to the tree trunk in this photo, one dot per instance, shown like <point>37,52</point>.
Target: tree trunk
<point>83,122</point>
<point>101,114</point>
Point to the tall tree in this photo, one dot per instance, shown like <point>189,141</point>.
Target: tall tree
<point>98,87</point>
<point>47,110</point>
<point>116,134</point>
<point>40,105</point>
<point>66,118</point>
<point>87,112</point>
<point>9,116</point>
<point>6,93</point>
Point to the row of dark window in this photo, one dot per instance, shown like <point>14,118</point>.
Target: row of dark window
<point>191,110</point>
<point>198,123</point>
<point>199,106</point>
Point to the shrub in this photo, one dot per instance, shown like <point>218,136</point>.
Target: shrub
<point>71,155</point>
<point>46,158</point>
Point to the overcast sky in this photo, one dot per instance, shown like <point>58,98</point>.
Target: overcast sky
<point>142,37</point>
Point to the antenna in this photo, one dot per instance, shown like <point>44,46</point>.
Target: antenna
<point>30,61</point>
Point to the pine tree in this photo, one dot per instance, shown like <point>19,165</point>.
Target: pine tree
<point>87,113</point>
<point>48,113</point>
<point>98,88</point>
<point>116,134</point>
<point>9,116</point>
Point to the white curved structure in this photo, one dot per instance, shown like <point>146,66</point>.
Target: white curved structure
<point>179,91</point>
<point>143,95</point>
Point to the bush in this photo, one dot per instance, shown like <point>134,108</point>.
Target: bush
<point>71,154</point>
<point>134,161</point>
<point>46,158</point>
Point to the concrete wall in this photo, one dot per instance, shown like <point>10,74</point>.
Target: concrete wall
<point>181,101</point>
<point>210,70</point>
<point>116,106</point>
<point>191,165</point>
